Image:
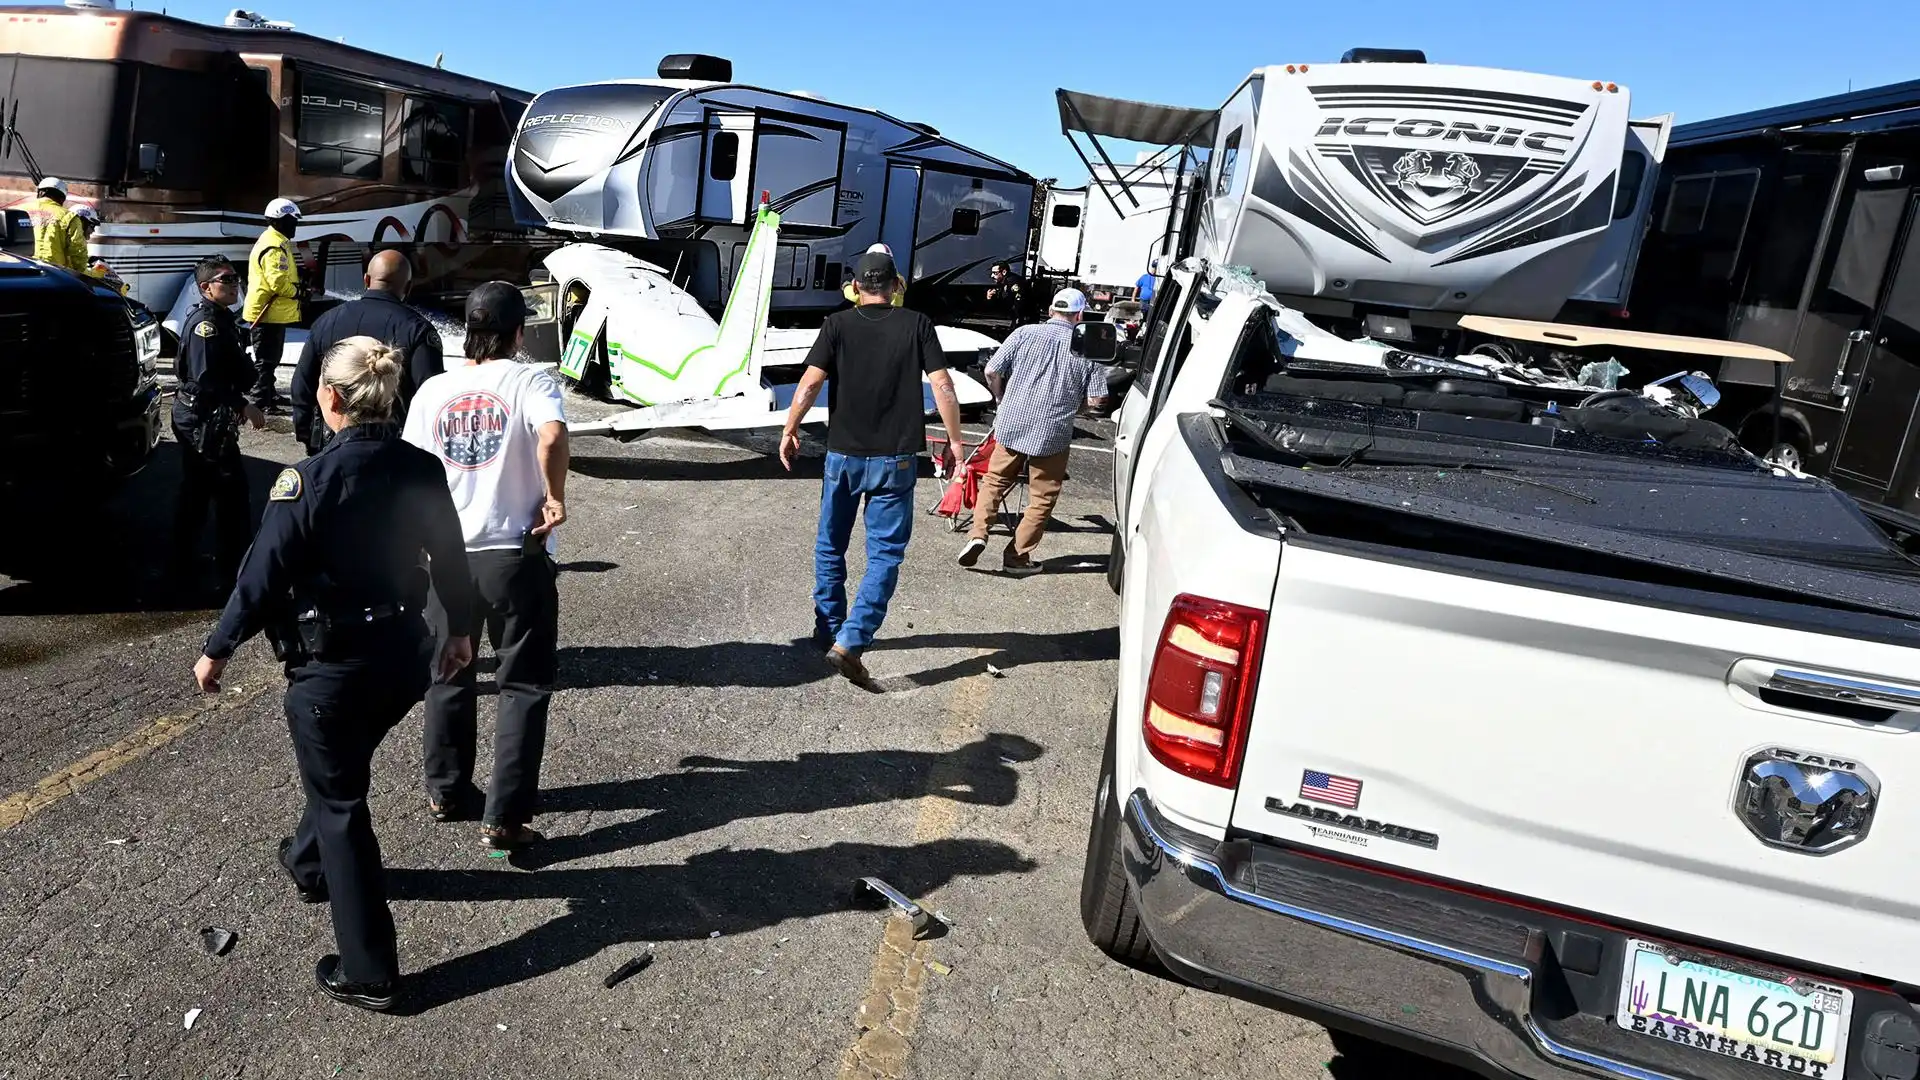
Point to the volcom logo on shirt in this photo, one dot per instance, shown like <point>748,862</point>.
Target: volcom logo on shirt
<point>472,428</point>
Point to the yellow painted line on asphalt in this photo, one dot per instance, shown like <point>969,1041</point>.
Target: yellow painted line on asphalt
<point>890,1012</point>
<point>151,736</point>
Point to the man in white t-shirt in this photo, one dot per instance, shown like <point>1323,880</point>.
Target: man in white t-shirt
<point>500,429</point>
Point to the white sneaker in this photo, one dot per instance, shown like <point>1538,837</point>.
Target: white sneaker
<point>971,553</point>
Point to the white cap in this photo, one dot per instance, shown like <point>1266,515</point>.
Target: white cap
<point>881,249</point>
<point>280,208</point>
<point>52,183</point>
<point>1070,301</point>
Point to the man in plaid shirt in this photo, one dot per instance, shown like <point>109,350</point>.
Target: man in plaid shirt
<point>1041,386</point>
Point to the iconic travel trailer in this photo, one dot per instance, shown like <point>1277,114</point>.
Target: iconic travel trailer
<point>687,156</point>
<point>181,132</point>
<point>1415,192</point>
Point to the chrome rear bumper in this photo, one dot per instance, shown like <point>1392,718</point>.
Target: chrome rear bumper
<point>1216,926</point>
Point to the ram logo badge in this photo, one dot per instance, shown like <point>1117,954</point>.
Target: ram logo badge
<point>1809,803</point>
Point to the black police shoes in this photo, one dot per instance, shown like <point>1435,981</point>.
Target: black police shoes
<point>375,996</point>
<point>464,805</point>
<point>316,894</point>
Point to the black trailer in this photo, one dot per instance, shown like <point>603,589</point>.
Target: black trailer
<point>1793,228</point>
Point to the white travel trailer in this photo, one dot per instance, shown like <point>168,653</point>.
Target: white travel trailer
<point>1415,193</point>
<point>687,156</point>
<point>1102,239</point>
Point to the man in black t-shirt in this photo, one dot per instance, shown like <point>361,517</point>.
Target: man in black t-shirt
<point>874,353</point>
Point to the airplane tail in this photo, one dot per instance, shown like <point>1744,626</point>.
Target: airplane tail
<point>743,326</point>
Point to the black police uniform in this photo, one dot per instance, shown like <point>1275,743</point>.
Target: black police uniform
<point>380,315</point>
<point>213,377</point>
<point>339,549</point>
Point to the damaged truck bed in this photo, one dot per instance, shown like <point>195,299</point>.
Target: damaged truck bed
<point>1533,724</point>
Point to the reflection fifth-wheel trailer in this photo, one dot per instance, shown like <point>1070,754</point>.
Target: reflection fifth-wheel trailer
<point>685,158</point>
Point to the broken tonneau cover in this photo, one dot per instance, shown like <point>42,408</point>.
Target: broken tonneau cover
<point>1802,537</point>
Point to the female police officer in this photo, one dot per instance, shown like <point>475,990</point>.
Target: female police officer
<point>335,576</point>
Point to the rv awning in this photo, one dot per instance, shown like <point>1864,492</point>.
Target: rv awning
<point>1134,121</point>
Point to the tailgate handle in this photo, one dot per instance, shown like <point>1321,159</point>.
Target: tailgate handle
<point>1842,696</point>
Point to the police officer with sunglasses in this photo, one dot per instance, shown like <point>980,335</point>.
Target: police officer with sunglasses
<point>209,405</point>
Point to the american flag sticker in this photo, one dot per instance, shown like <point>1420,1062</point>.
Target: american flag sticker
<point>1343,791</point>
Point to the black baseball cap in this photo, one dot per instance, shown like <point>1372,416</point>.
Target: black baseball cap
<point>875,269</point>
<point>496,306</point>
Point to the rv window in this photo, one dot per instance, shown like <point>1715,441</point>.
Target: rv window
<point>1785,237</point>
<point>1903,299</point>
<point>1229,157</point>
<point>1861,265</point>
<point>66,116</point>
<point>1066,217</point>
<point>966,221</point>
<point>1633,173</point>
<point>433,143</point>
<point>725,162</point>
<point>340,127</point>
<point>1686,205</point>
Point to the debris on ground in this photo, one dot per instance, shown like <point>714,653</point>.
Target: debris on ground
<point>120,842</point>
<point>218,939</point>
<point>995,672</point>
<point>192,1015</point>
<point>714,934</point>
<point>866,889</point>
<point>629,968</point>
<point>939,968</point>
<point>496,854</point>
<point>502,1027</point>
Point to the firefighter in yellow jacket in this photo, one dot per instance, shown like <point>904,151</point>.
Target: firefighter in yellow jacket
<point>58,237</point>
<point>273,296</point>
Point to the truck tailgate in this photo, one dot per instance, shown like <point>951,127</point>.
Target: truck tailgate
<point>1590,753</point>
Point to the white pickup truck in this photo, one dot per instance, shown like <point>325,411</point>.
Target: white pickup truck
<point>1539,729</point>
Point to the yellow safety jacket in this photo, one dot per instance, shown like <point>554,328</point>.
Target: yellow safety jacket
<point>58,236</point>
<point>273,281</point>
<point>105,275</point>
<point>899,292</point>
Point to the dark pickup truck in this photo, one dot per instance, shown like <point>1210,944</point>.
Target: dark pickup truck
<point>79,397</point>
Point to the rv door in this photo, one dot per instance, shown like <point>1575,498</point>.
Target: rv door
<point>797,159</point>
<point>1610,275</point>
<point>726,168</point>
<point>899,218</point>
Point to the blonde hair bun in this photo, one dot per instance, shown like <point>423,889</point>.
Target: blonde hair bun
<point>365,373</point>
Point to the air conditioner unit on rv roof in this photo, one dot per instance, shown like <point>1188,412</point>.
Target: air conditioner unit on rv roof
<point>696,67</point>
<point>94,5</point>
<point>1383,56</point>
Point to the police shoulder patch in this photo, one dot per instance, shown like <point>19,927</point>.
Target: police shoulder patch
<point>286,486</point>
<point>205,328</point>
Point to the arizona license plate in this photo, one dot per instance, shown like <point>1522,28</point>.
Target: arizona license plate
<point>1799,1029</point>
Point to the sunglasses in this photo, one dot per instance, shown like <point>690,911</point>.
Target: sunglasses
<point>224,279</point>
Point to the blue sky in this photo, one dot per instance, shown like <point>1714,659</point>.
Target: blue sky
<point>984,73</point>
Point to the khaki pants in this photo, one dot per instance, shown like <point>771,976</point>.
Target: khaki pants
<point>1045,475</point>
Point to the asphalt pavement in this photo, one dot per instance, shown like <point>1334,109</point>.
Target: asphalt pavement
<point>710,790</point>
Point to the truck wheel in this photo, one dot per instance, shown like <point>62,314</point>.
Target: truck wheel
<point>1106,901</point>
<point>1116,563</point>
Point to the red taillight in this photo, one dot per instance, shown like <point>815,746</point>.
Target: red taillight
<point>1200,693</point>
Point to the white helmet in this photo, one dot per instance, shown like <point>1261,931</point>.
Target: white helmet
<point>53,184</point>
<point>87,214</point>
<point>280,208</point>
<point>880,249</point>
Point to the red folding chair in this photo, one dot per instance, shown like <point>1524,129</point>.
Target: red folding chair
<point>962,489</point>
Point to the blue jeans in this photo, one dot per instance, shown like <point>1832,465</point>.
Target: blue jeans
<point>886,483</point>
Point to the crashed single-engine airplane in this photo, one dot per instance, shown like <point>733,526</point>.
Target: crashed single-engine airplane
<point>627,333</point>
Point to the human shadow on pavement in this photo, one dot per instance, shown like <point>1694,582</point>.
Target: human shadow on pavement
<point>788,665</point>
<point>726,891</point>
<point>1011,650</point>
<point>712,792</point>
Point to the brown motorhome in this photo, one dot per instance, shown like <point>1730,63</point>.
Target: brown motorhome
<point>181,132</point>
